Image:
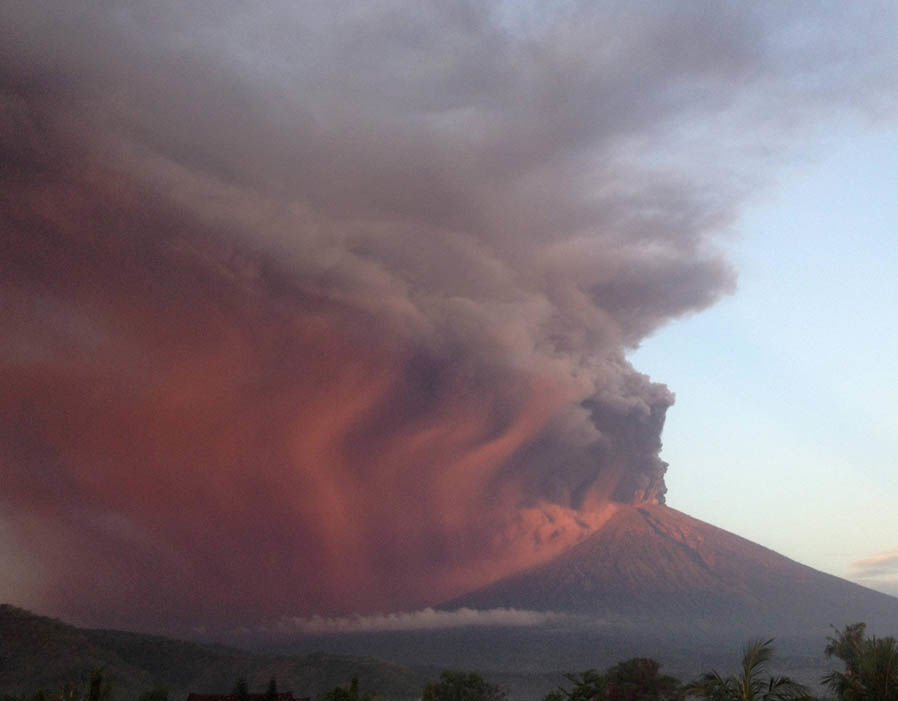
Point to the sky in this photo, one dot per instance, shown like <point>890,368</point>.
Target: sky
<point>789,382</point>
<point>329,310</point>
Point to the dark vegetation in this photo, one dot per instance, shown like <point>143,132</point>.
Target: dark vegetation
<point>44,660</point>
<point>42,653</point>
<point>636,679</point>
<point>870,666</point>
<point>462,686</point>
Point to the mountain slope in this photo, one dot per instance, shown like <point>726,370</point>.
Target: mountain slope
<point>653,563</point>
<point>38,652</point>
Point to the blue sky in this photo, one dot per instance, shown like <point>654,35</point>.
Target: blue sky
<point>785,428</point>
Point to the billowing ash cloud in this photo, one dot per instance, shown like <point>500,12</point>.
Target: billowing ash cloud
<point>314,309</point>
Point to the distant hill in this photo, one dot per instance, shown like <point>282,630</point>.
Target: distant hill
<point>656,565</point>
<point>38,652</point>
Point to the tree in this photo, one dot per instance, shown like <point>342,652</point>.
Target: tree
<point>752,683</point>
<point>160,693</point>
<point>271,694</point>
<point>637,679</point>
<point>462,686</point>
<point>587,686</point>
<point>342,693</point>
<point>241,690</point>
<point>871,665</point>
<point>99,689</point>
<point>69,692</point>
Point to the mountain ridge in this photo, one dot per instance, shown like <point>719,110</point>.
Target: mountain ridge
<point>39,652</point>
<point>651,561</point>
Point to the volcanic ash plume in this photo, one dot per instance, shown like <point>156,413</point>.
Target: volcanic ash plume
<point>310,311</point>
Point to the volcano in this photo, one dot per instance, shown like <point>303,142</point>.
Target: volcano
<point>655,565</point>
<point>651,581</point>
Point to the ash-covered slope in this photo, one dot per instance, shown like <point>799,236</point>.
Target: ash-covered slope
<point>651,563</point>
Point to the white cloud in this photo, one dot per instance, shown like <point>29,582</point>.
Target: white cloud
<point>425,619</point>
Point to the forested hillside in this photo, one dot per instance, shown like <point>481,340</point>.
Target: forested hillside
<point>38,652</point>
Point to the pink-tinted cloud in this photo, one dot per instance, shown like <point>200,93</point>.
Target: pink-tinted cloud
<point>881,565</point>
<point>878,571</point>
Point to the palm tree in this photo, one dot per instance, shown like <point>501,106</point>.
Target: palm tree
<point>752,683</point>
<point>588,686</point>
<point>871,666</point>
